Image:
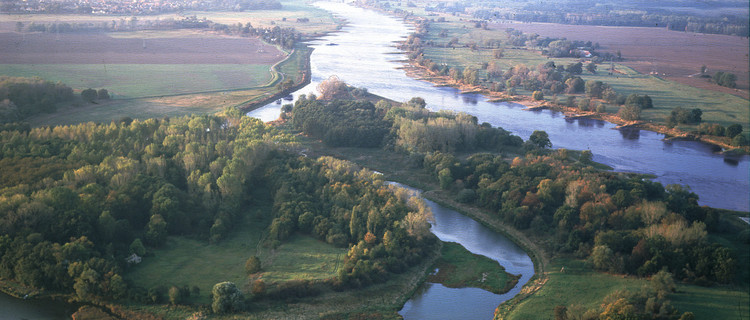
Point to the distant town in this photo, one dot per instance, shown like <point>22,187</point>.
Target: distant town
<point>131,7</point>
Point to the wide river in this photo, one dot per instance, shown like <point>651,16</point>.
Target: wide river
<point>364,56</point>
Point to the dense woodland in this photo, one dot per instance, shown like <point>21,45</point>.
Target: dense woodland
<point>78,201</point>
<point>624,224</point>
<point>620,223</point>
<point>408,126</point>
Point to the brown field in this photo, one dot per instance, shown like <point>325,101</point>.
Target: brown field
<point>676,56</point>
<point>99,48</point>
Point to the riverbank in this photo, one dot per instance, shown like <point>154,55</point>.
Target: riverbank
<point>459,268</point>
<point>418,72</point>
<point>258,102</point>
<point>540,257</point>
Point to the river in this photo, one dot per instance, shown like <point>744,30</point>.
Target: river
<point>435,301</point>
<point>363,55</point>
<point>12,308</point>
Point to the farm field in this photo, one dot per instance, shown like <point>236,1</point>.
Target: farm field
<point>174,105</point>
<point>320,21</point>
<point>165,66</point>
<point>717,105</point>
<point>157,73</point>
<point>676,56</point>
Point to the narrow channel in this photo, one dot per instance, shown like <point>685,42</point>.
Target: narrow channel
<point>435,301</point>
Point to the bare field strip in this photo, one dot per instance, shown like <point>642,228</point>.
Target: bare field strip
<point>674,55</point>
<point>100,48</point>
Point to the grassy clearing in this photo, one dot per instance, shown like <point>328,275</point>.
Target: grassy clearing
<point>182,261</point>
<point>459,268</point>
<point>301,258</point>
<point>712,303</point>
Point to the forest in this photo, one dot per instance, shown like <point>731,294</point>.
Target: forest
<point>81,204</point>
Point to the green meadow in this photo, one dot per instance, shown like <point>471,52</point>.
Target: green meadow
<point>128,81</point>
<point>184,261</point>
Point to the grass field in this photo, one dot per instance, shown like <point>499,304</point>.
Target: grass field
<point>320,20</point>
<point>459,268</point>
<point>173,105</point>
<point>579,285</point>
<point>128,81</point>
<point>182,261</point>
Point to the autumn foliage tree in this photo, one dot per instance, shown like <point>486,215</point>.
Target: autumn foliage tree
<point>332,88</point>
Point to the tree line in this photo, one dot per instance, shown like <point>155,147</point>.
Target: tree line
<point>21,98</point>
<point>406,126</point>
<point>622,224</point>
<point>617,14</point>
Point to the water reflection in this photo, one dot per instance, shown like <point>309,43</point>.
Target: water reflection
<point>470,99</point>
<point>630,133</point>
<point>731,161</point>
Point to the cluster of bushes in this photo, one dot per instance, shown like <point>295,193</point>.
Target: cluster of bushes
<point>681,115</point>
<point>725,79</point>
<point>90,95</point>
<point>21,98</point>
